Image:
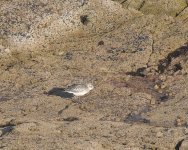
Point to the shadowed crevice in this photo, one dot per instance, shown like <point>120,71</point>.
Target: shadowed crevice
<point>178,145</point>
<point>7,129</point>
<point>142,5</point>
<point>139,72</point>
<point>165,63</point>
<point>136,118</point>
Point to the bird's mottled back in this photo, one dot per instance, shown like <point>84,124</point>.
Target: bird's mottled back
<point>76,87</point>
<point>79,89</point>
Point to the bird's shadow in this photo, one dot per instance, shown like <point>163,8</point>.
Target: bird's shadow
<point>60,92</point>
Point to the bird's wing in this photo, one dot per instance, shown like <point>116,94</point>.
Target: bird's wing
<point>73,88</point>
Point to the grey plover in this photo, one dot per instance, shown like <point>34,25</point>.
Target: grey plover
<point>79,89</point>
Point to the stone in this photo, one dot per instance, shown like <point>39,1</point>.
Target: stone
<point>159,134</point>
<point>152,101</point>
<point>156,87</point>
<point>162,77</point>
<point>163,85</point>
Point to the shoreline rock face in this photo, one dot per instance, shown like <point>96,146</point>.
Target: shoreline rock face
<point>156,7</point>
<point>34,25</point>
<point>135,53</point>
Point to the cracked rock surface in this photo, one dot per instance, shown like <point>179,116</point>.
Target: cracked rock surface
<point>135,53</point>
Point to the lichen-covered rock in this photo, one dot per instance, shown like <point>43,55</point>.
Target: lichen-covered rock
<point>33,25</point>
<point>161,7</point>
<point>156,7</point>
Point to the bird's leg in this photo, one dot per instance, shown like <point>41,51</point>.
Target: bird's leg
<point>76,100</point>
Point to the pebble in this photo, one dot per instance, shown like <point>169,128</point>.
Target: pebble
<point>163,85</point>
<point>170,94</point>
<point>117,119</point>
<point>156,87</point>
<point>152,101</point>
<point>160,91</point>
<point>162,77</point>
<point>180,121</point>
<point>159,134</point>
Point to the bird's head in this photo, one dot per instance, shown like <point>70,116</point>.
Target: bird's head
<point>90,86</point>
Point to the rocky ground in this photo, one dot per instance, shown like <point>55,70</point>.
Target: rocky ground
<point>135,52</point>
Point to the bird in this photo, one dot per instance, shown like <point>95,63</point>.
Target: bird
<point>79,89</point>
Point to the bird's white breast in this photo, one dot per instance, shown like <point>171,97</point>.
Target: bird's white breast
<point>80,93</point>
